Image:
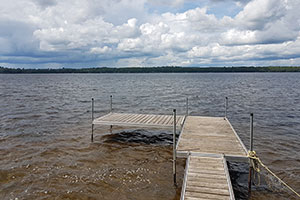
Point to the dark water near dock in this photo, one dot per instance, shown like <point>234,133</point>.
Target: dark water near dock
<point>45,125</point>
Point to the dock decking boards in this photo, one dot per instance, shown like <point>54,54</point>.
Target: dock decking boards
<point>209,135</point>
<point>206,178</point>
<point>142,120</point>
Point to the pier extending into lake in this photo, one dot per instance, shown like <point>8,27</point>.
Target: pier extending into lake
<point>207,143</point>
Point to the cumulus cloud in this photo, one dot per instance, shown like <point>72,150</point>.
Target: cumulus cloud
<point>258,14</point>
<point>127,32</point>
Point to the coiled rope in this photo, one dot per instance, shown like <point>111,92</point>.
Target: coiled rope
<point>255,162</point>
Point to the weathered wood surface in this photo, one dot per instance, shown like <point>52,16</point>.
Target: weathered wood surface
<point>206,179</point>
<point>142,120</point>
<point>213,135</point>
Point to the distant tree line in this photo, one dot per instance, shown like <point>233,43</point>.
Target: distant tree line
<point>166,69</point>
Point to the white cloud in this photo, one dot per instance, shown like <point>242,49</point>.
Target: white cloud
<point>126,32</point>
<point>100,50</point>
<point>257,14</point>
<point>238,37</point>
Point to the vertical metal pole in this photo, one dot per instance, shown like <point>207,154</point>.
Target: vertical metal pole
<point>226,106</point>
<point>174,147</point>
<point>251,149</point>
<point>111,112</point>
<point>110,103</point>
<point>187,106</point>
<point>92,136</point>
<point>251,132</point>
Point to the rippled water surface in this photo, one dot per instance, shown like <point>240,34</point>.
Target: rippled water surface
<point>45,126</point>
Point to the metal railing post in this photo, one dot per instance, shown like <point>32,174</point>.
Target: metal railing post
<point>251,149</point>
<point>111,103</point>
<point>187,106</point>
<point>111,109</point>
<point>226,106</point>
<point>251,132</point>
<point>174,147</point>
<point>92,136</point>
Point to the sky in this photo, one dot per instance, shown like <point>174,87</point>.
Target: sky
<point>146,33</point>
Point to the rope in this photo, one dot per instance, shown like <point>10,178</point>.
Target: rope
<point>255,160</point>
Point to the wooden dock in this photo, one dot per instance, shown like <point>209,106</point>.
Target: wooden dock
<point>206,142</point>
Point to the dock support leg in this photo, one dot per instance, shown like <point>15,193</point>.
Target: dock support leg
<point>250,180</point>
<point>226,107</point>
<point>111,109</point>
<point>251,149</point>
<point>92,136</point>
<point>111,103</point>
<point>187,106</point>
<point>174,147</point>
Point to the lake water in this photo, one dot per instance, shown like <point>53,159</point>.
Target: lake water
<point>45,126</point>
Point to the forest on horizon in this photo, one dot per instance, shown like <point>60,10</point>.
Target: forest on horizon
<point>164,69</point>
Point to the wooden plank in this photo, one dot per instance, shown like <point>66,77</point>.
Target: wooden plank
<point>150,119</point>
<point>217,191</point>
<point>196,198</point>
<point>207,196</point>
<point>207,184</point>
<point>211,151</point>
<point>121,117</point>
<point>206,159</point>
<point>136,118</point>
<point>153,121</point>
<point>170,121</point>
<point>161,119</point>
<point>124,117</point>
<point>207,171</point>
<point>140,119</point>
<point>131,118</point>
<point>158,119</point>
<point>195,174</point>
<point>208,180</point>
<point>165,119</point>
<point>178,120</point>
<point>212,168</point>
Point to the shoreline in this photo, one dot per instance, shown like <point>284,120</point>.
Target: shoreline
<point>166,69</point>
